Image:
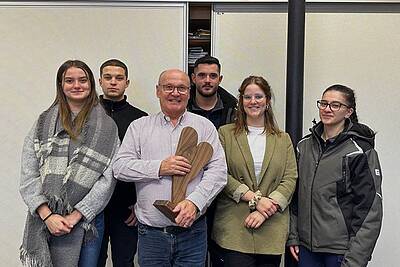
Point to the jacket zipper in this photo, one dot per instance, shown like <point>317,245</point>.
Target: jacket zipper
<point>311,202</point>
<point>112,111</point>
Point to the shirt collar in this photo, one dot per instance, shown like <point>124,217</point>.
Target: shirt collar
<point>166,119</point>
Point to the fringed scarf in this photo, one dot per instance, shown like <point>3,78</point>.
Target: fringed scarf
<point>66,181</point>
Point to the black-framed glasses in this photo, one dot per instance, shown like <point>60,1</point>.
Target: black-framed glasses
<point>169,88</point>
<point>334,106</point>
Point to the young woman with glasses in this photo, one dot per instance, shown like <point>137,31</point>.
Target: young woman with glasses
<point>251,218</point>
<point>336,213</point>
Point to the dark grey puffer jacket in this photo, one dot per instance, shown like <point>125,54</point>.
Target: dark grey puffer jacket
<point>338,206</point>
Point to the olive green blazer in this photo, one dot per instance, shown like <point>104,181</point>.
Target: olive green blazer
<point>279,174</point>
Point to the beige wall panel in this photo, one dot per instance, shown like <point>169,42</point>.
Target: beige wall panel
<point>362,51</point>
<point>35,41</point>
<point>253,44</point>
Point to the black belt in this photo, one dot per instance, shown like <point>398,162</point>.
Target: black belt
<point>175,230</point>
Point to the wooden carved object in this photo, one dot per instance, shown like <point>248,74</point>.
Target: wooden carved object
<point>198,156</point>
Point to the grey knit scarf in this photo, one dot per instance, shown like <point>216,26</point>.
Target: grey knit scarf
<point>66,181</point>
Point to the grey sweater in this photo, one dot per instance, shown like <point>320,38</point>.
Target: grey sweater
<point>31,185</point>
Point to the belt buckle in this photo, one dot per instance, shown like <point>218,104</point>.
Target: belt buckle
<point>172,230</point>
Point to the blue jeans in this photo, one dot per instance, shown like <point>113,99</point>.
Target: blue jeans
<point>318,259</point>
<point>173,246</point>
<point>90,251</point>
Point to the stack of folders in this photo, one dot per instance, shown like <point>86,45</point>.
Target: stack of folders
<point>195,53</point>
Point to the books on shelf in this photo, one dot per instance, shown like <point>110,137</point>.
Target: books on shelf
<point>200,34</point>
<point>196,52</point>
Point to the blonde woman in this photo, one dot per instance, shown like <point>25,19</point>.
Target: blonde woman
<point>251,218</point>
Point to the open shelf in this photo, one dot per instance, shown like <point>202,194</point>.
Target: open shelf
<point>199,38</point>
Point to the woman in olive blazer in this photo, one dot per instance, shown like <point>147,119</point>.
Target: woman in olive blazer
<point>251,218</point>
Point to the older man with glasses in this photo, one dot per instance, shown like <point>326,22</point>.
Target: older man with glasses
<point>147,157</point>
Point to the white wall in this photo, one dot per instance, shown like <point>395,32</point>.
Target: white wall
<point>35,41</point>
<point>362,51</point>
<point>252,44</point>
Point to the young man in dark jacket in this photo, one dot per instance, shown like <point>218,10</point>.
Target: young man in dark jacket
<point>207,98</point>
<point>211,101</point>
<point>120,220</point>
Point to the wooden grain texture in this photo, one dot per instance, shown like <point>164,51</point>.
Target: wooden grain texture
<point>198,156</point>
<point>187,142</point>
<point>186,148</point>
<point>202,156</point>
<point>166,207</point>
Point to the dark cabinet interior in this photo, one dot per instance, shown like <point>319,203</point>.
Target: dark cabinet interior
<point>199,37</point>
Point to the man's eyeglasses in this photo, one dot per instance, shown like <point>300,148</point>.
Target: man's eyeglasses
<point>334,106</point>
<point>257,97</point>
<point>169,88</point>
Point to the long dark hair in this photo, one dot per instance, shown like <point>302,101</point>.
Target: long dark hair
<point>348,94</point>
<point>74,128</point>
<point>270,124</point>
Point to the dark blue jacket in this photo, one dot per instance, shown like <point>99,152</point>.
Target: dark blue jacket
<point>223,113</point>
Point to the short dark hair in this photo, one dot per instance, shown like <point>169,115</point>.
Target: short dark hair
<point>208,60</point>
<point>116,63</point>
